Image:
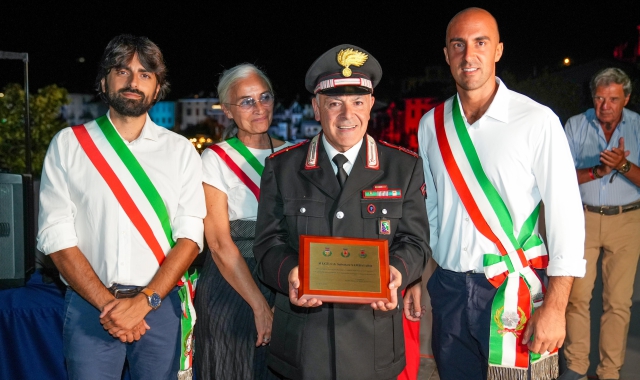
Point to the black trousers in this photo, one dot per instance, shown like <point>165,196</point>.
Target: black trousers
<point>461,304</point>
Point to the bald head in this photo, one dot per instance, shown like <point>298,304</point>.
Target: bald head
<point>472,49</point>
<point>473,15</point>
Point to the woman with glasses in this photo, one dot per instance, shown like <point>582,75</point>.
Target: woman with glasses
<point>233,307</point>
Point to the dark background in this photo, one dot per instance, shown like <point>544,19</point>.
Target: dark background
<point>200,39</point>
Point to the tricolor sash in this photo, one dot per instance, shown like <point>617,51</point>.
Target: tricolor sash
<point>241,162</point>
<point>135,215</point>
<point>520,290</point>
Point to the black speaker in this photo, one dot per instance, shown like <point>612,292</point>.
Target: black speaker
<point>17,229</point>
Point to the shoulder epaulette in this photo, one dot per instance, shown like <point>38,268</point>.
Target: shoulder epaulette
<point>288,148</point>
<point>402,149</point>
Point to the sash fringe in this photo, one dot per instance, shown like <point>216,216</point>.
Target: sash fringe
<point>546,368</point>
<point>543,369</point>
<point>506,373</point>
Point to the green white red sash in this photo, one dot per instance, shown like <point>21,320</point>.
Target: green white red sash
<point>241,162</point>
<point>520,290</point>
<point>129,161</point>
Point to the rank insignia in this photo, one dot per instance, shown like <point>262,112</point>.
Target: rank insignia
<point>345,253</point>
<point>363,254</point>
<point>327,252</point>
<point>385,227</point>
<point>371,208</point>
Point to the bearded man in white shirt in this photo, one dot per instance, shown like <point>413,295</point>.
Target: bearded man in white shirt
<point>491,156</point>
<point>121,210</point>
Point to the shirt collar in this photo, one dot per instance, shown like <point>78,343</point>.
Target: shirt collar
<point>499,108</point>
<point>148,132</point>
<point>351,154</point>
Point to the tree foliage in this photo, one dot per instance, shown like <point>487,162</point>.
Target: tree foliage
<point>45,121</point>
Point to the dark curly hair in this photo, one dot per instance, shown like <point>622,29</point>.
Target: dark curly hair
<point>119,53</point>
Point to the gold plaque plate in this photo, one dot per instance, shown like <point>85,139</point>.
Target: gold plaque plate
<point>346,270</point>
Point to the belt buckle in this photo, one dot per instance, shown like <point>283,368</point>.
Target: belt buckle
<point>601,210</point>
<point>115,292</point>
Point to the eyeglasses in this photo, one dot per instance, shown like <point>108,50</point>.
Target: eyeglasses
<point>247,104</point>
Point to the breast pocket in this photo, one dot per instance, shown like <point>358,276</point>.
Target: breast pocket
<point>380,217</point>
<point>305,216</point>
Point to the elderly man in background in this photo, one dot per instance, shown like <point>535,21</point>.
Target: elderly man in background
<point>605,144</point>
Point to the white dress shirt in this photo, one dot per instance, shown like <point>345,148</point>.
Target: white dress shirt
<point>77,208</point>
<point>351,154</point>
<point>525,155</point>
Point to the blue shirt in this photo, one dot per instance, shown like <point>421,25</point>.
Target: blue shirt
<point>586,141</point>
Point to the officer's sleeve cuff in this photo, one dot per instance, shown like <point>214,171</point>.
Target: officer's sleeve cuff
<point>401,266</point>
<point>286,265</point>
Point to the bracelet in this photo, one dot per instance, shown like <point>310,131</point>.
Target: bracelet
<point>591,174</point>
<point>625,167</point>
<point>594,170</point>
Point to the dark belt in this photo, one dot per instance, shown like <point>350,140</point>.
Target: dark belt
<point>613,210</point>
<point>119,291</point>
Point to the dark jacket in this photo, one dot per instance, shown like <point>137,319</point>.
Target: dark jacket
<point>338,341</point>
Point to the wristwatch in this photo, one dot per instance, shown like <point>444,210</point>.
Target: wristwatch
<point>153,299</point>
<point>625,167</point>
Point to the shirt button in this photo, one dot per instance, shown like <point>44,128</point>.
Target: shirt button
<point>303,210</point>
<point>466,219</point>
<point>464,249</point>
<point>339,214</point>
<point>384,211</point>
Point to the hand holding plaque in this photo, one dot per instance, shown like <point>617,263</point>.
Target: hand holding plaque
<point>345,270</point>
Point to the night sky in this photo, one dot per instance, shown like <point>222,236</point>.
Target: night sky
<point>200,39</point>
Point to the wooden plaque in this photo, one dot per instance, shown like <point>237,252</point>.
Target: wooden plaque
<point>345,270</point>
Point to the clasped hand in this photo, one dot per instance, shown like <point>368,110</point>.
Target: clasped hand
<point>124,318</point>
<point>613,159</point>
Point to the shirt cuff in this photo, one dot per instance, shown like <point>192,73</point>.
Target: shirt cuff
<point>191,228</point>
<point>57,237</point>
<point>571,268</point>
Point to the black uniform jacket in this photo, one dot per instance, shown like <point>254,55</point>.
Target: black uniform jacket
<point>338,341</point>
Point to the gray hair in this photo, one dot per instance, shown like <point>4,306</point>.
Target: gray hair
<point>228,79</point>
<point>608,76</point>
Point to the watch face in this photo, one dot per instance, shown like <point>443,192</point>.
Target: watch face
<point>154,300</point>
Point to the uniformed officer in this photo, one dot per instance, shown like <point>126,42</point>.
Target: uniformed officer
<point>342,183</point>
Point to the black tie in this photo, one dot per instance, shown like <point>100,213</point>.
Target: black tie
<point>339,159</point>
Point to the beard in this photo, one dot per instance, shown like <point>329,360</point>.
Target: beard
<point>128,107</point>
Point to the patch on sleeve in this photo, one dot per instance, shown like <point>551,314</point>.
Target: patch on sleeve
<point>423,189</point>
